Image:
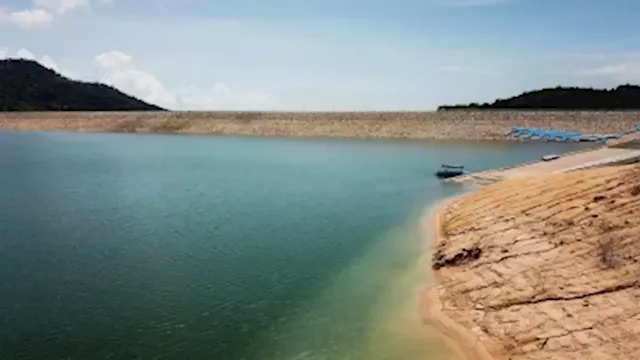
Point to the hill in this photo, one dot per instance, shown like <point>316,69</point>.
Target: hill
<point>26,85</point>
<point>624,97</point>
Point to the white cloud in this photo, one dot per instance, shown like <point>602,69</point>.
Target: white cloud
<point>24,54</point>
<point>119,70</point>
<point>113,60</point>
<point>28,19</point>
<point>47,62</point>
<point>42,13</point>
<point>61,6</point>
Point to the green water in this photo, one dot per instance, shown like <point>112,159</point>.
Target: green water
<point>175,247</point>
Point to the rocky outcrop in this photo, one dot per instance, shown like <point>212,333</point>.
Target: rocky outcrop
<point>557,271</point>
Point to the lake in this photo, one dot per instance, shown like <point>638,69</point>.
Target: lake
<point>127,246</point>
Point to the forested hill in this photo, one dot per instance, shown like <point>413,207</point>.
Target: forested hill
<point>26,85</point>
<point>624,97</point>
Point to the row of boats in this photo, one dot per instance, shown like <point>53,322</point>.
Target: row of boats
<point>563,136</point>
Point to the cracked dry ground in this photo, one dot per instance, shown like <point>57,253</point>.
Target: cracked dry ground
<point>546,267</point>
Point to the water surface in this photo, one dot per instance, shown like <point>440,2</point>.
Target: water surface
<point>175,247</point>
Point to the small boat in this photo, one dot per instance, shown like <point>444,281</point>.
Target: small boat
<point>448,171</point>
<point>589,138</point>
<point>550,157</point>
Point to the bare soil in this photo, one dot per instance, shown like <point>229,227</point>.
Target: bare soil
<point>544,267</point>
<point>462,125</point>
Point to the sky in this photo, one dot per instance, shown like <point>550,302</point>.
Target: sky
<point>304,55</point>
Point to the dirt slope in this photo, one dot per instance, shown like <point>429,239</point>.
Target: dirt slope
<point>546,267</point>
<point>459,125</point>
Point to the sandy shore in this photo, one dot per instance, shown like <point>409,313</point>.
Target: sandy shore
<point>461,341</point>
<point>542,267</point>
<point>462,125</point>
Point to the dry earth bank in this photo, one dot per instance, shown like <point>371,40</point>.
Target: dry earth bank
<point>461,125</point>
<point>546,267</point>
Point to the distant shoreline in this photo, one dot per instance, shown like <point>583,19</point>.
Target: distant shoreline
<point>443,125</point>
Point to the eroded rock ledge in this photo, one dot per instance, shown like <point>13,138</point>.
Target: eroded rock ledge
<point>546,267</point>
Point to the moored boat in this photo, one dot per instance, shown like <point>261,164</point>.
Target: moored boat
<point>449,171</point>
<point>550,157</point>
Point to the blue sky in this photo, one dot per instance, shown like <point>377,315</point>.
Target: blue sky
<point>328,54</point>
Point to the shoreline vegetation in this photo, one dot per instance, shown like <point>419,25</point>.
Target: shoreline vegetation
<point>441,125</point>
<point>541,267</point>
<point>624,97</point>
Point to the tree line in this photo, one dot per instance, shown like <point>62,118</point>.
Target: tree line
<point>624,97</point>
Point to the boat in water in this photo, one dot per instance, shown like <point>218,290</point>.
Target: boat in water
<point>550,157</point>
<point>449,171</point>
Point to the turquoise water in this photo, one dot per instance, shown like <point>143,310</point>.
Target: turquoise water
<point>175,247</point>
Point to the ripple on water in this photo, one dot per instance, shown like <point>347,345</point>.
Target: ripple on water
<point>218,248</point>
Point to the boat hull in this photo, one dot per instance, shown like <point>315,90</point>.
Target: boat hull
<point>445,174</point>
